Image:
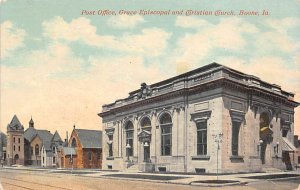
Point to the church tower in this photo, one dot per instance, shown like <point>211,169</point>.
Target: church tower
<point>15,142</point>
<point>31,123</point>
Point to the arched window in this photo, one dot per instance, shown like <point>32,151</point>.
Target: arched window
<point>166,134</point>
<point>129,138</point>
<point>74,144</point>
<point>146,124</point>
<point>37,149</point>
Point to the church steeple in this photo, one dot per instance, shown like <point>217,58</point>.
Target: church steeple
<point>31,123</point>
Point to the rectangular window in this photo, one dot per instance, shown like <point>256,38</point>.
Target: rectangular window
<point>14,139</point>
<point>89,156</point>
<point>19,148</point>
<point>19,140</point>
<point>202,138</point>
<point>166,137</point>
<point>53,160</point>
<point>235,138</point>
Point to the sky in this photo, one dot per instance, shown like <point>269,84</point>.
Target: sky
<point>61,60</point>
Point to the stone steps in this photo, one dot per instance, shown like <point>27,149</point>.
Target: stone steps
<point>271,170</point>
<point>133,168</point>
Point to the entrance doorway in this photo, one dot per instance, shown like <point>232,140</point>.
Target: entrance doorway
<point>265,135</point>
<point>287,160</point>
<point>146,152</point>
<point>16,159</point>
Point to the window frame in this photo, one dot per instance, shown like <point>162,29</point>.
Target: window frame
<point>110,146</point>
<point>235,138</point>
<point>89,156</point>
<point>203,133</point>
<point>74,142</point>
<point>129,134</point>
<point>37,150</point>
<point>166,125</point>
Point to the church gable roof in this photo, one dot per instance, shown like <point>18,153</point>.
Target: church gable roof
<point>56,137</point>
<point>44,135</point>
<point>30,133</point>
<point>15,124</point>
<point>89,138</point>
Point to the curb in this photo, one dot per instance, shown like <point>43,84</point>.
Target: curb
<point>217,185</point>
<point>135,179</point>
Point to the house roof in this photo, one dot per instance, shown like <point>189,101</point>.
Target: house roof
<point>69,151</point>
<point>47,145</point>
<point>30,133</point>
<point>89,138</point>
<point>288,146</point>
<point>56,137</point>
<point>44,135</point>
<point>15,124</point>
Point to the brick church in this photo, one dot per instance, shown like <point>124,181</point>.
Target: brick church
<point>24,146</point>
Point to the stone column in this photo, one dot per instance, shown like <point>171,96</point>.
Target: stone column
<point>175,131</point>
<point>153,135</point>
<point>135,136</point>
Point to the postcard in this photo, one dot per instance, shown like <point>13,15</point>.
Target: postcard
<point>149,94</point>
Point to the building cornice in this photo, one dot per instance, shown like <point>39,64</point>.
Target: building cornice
<point>223,82</point>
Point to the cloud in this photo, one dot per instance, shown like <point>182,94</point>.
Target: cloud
<point>282,25</point>
<point>278,38</point>
<point>150,42</point>
<point>227,34</point>
<point>12,38</point>
<point>51,86</point>
<point>125,21</point>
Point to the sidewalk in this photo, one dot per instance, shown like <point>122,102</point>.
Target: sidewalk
<point>166,177</point>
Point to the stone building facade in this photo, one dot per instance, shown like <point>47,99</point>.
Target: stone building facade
<point>212,119</point>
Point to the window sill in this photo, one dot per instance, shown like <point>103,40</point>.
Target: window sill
<point>254,157</point>
<point>201,157</point>
<point>109,158</point>
<point>237,158</point>
<point>276,157</point>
